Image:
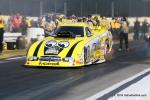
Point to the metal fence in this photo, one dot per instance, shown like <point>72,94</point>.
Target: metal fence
<point>77,7</point>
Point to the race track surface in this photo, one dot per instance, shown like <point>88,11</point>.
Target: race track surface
<point>20,83</point>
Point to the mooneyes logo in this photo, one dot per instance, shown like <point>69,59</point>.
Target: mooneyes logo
<point>52,44</point>
<point>63,44</point>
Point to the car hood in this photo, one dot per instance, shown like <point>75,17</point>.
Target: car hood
<point>62,47</point>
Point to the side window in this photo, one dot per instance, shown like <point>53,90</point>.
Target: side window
<point>88,33</point>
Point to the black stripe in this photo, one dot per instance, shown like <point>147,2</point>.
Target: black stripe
<point>69,54</point>
<point>37,49</point>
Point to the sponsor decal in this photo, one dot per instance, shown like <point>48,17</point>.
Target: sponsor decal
<point>63,44</point>
<point>51,51</point>
<point>48,64</point>
<point>51,44</point>
<point>50,58</point>
<point>54,48</point>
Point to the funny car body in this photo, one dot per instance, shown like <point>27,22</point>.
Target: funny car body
<point>72,45</point>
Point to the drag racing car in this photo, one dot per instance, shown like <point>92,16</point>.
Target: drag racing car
<point>72,45</point>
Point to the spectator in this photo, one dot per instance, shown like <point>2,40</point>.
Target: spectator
<point>80,20</point>
<point>49,27</point>
<point>105,23</point>
<point>97,21</point>
<point>124,33</point>
<point>117,28</point>
<point>1,33</point>
<point>24,26</point>
<point>144,28</point>
<point>28,22</point>
<point>89,20</point>
<point>39,21</point>
<point>147,36</point>
<point>84,19</point>
<point>11,24</point>
<point>17,22</point>
<point>74,18</point>
<point>34,23</point>
<point>58,22</point>
<point>136,29</point>
<point>112,23</point>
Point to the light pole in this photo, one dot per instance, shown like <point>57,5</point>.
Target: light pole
<point>55,6</point>
<point>145,1</point>
<point>41,8</point>
<point>112,8</point>
<point>10,7</point>
<point>96,7</point>
<point>81,8</point>
<point>65,8</point>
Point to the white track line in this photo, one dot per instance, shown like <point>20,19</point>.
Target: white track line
<point>10,59</point>
<point>1,62</point>
<point>106,91</point>
<point>15,58</point>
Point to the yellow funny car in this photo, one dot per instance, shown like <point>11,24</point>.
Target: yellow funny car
<point>72,45</point>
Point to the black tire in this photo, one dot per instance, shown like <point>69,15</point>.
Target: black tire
<point>21,42</point>
<point>10,45</point>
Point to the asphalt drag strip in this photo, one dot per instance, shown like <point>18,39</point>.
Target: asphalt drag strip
<point>20,83</point>
<point>136,87</point>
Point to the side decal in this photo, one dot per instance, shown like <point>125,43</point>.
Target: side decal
<point>69,54</point>
<point>37,49</point>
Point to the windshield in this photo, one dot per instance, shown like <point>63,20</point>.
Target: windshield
<point>77,31</point>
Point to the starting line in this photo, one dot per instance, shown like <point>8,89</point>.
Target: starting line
<point>134,88</point>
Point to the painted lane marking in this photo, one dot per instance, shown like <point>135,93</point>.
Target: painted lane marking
<point>116,86</point>
<point>11,59</point>
<point>15,58</point>
<point>1,62</point>
<point>137,91</point>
